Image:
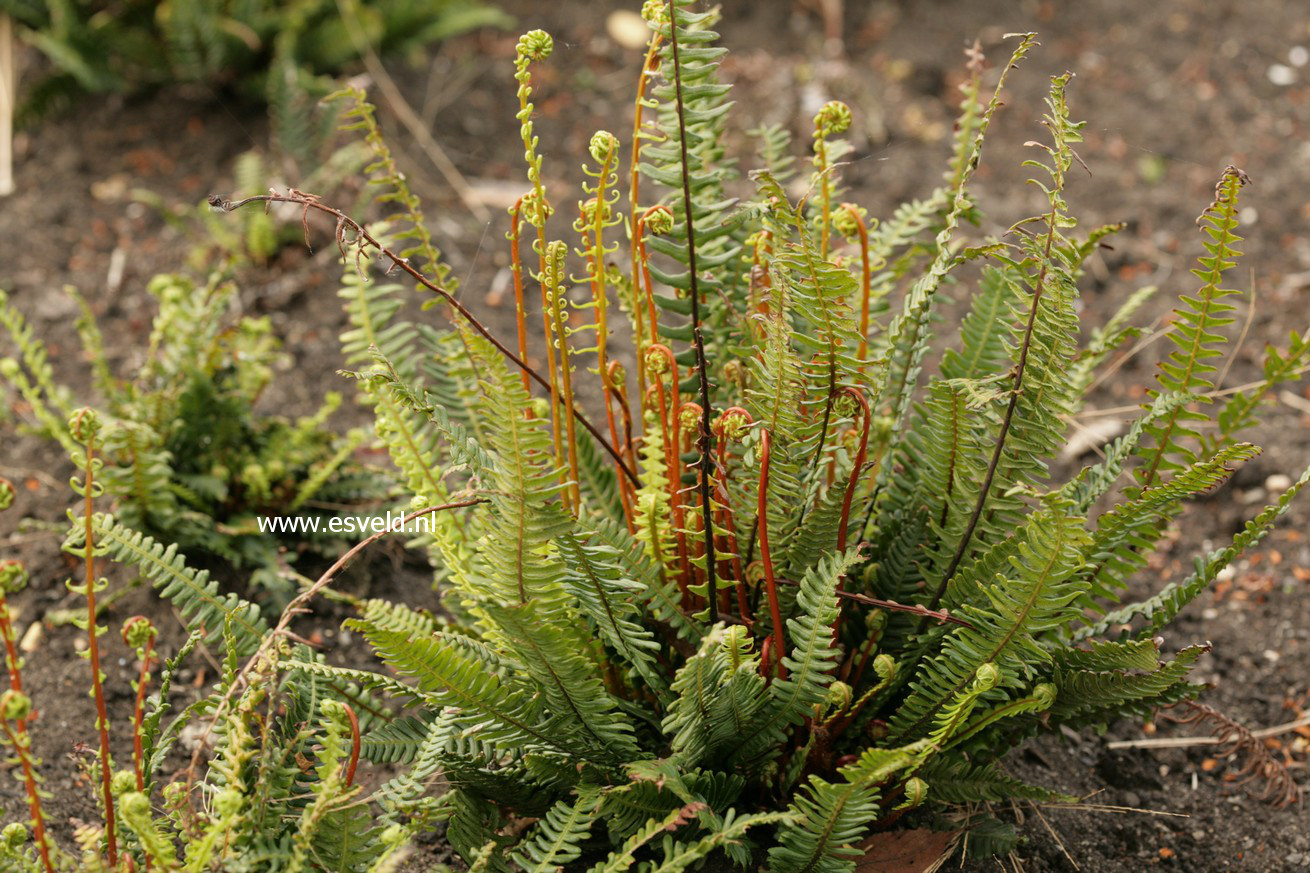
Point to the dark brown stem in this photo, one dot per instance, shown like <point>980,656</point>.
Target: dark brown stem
<point>364,239</point>
<point>354,745</point>
<point>963,547</point>
<point>704,439</point>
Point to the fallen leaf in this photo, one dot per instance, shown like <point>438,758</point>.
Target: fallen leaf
<point>915,851</point>
<point>1091,436</point>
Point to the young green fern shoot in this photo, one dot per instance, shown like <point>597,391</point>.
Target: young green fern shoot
<point>139,635</point>
<point>15,706</point>
<point>84,426</point>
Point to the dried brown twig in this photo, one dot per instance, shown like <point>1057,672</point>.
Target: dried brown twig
<point>351,234</point>
<point>939,615</point>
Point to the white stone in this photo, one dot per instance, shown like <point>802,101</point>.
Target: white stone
<point>627,28</point>
<point>1281,74</point>
<point>1278,483</point>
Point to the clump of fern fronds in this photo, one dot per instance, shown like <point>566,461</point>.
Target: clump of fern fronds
<point>808,581</point>
<point>817,586</point>
<point>276,744</point>
<point>281,53</point>
<point>186,454</point>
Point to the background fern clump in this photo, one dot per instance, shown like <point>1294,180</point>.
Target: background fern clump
<point>187,457</point>
<point>282,53</point>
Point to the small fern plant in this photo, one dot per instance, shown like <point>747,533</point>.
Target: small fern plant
<point>282,54</point>
<point>272,781</point>
<point>187,456</point>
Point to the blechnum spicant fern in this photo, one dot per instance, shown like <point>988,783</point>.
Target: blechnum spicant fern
<point>811,577</point>
<point>262,792</point>
<point>284,54</point>
<point>186,454</point>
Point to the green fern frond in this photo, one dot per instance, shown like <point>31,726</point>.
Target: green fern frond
<point>908,334</point>
<point>408,227</point>
<point>809,662</point>
<point>554,842</point>
<point>1195,334</point>
<point>1125,534</point>
<point>594,578</point>
<point>194,594</point>
<point>719,693</point>
<point>451,678</point>
<point>48,399</point>
<point>1096,696</point>
<point>1033,595</point>
<point>828,819</point>
<point>955,781</point>
<point>1165,606</point>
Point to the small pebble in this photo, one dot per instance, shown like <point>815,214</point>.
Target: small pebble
<point>1271,655</point>
<point>1281,74</point>
<point>1299,56</point>
<point>1278,483</point>
<point>32,637</point>
<point>627,28</point>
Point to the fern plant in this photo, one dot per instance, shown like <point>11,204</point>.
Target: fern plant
<point>282,54</point>
<point>273,784</point>
<point>814,578</point>
<point>187,457</point>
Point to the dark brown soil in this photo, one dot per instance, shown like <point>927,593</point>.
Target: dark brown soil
<point>1173,92</point>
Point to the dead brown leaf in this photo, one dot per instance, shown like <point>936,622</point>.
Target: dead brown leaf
<point>916,851</point>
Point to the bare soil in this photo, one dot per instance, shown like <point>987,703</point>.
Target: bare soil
<point>1173,92</point>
